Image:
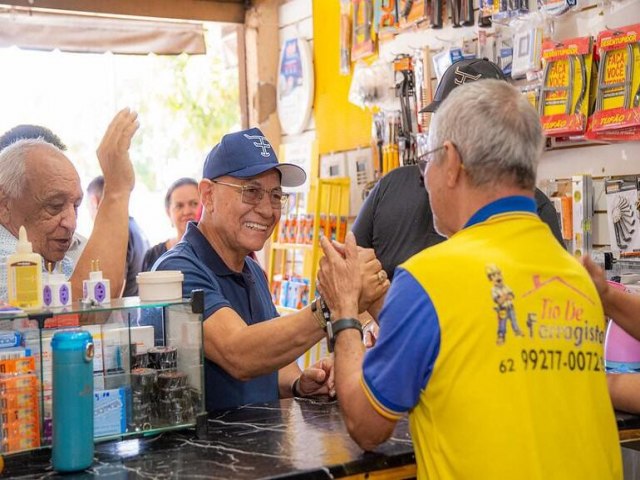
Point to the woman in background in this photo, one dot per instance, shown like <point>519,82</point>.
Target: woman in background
<point>181,203</point>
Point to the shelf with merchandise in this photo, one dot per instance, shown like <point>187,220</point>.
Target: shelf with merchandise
<point>148,369</point>
<point>288,246</point>
<point>292,267</point>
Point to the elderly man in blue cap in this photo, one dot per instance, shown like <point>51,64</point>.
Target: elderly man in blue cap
<point>250,351</point>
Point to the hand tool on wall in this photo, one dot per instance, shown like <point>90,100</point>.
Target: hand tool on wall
<point>623,221</point>
<point>455,6</point>
<point>406,93</point>
<point>378,139</point>
<point>405,9</point>
<point>367,20</point>
<point>467,13</point>
<point>345,37</point>
<point>435,13</point>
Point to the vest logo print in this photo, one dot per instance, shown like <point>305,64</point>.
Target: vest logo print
<point>551,316</point>
<point>261,143</point>
<point>502,297</point>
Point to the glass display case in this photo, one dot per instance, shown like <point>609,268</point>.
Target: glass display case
<point>148,369</point>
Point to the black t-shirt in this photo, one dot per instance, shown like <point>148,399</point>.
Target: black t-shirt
<point>153,254</point>
<point>396,219</point>
<point>136,248</point>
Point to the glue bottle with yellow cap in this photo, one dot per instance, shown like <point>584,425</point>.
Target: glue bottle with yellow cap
<point>24,275</point>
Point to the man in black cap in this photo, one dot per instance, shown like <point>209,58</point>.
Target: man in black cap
<point>395,219</point>
<point>250,352</point>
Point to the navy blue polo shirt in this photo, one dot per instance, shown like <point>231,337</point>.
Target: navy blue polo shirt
<point>247,293</point>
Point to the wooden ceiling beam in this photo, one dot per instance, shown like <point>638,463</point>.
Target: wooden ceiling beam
<point>199,10</point>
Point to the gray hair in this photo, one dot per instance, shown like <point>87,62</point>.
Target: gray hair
<point>12,164</point>
<point>495,130</point>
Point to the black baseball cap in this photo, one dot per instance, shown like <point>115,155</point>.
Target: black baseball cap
<point>461,72</point>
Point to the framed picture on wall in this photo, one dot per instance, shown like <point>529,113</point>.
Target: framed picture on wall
<point>295,85</point>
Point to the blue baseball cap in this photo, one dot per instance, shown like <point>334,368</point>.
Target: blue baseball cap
<point>246,154</point>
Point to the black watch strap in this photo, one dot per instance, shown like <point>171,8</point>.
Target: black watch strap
<point>340,325</point>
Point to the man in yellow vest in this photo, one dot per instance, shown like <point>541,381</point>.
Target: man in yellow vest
<point>532,405</point>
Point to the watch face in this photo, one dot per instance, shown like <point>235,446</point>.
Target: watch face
<point>46,295</point>
<point>99,292</point>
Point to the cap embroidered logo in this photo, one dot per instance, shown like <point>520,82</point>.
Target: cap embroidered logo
<point>262,143</point>
<point>462,77</point>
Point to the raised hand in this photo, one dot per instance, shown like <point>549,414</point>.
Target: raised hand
<point>339,278</point>
<point>113,153</point>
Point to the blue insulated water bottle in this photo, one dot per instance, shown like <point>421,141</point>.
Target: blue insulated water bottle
<point>72,443</point>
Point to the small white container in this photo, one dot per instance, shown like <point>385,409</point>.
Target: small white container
<point>161,285</point>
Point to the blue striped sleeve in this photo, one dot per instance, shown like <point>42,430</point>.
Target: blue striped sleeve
<point>399,366</point>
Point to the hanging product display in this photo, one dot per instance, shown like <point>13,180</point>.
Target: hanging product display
<point>371,85</point>
<point>406,93</point>
<point>555,7</point>
<point>423,68</point>
<point>486,46</point>
<point>377,141</point>
<point>563,96</point>
<point>412,12</point>
<point>485,10</point>
<point>504,53</point>
<point>622,214</point>
<point>582,195</point>
<point>390,155</point>
<point>444,59</point>
<point>527,49</point>
<point>385,17</point>
<point>501,10</point>
<point>434,12</point>
<point>617,106</point>
<point>345,37</point>
<point>461,12</point>
<point>362,44</point>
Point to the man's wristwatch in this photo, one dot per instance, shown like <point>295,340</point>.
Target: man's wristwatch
<point>334,328</point>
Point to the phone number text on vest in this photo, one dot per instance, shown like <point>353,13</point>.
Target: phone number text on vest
<point>545,359</point>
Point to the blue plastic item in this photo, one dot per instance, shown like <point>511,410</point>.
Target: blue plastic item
<point>72,443</point>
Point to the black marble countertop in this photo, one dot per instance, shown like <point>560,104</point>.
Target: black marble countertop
<point>285,439</point>
<point>627,421</point>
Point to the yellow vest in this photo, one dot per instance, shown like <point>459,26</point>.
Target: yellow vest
<point>518,388</point>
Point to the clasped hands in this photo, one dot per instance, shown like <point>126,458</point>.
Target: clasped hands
<point>350,278</point>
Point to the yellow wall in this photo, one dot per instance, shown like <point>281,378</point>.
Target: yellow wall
<point>340,125</point>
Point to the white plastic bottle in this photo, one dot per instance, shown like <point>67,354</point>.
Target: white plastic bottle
<point>24,275</point>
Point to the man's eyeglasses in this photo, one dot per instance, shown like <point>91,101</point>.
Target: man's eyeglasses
<point>425,158</point>
<point>252,194</point>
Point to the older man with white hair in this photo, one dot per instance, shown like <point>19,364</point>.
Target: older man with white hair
<point>40,190</point>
